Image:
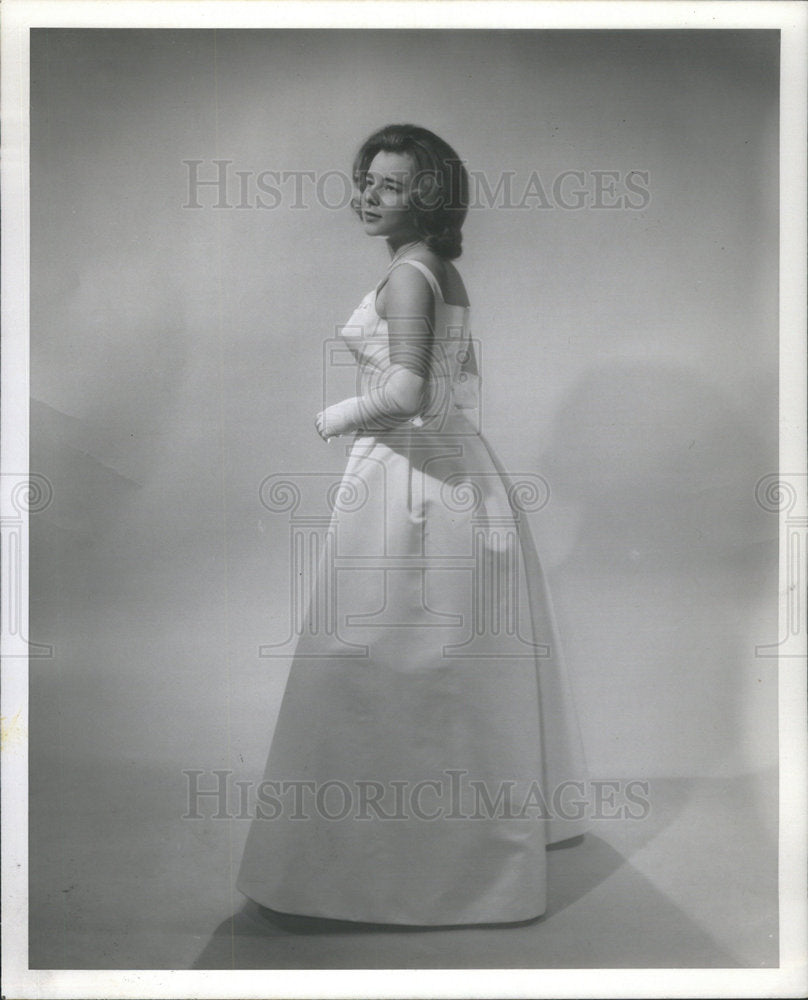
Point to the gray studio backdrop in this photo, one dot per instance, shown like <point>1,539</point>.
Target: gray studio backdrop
<point>630,357</point>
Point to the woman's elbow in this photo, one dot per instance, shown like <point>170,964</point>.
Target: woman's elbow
<point>410,402</point>
<point>406,392</point>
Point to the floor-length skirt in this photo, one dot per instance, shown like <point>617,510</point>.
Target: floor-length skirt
<point>427,734</point>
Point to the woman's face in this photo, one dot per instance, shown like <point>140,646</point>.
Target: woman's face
<point>386,195</point>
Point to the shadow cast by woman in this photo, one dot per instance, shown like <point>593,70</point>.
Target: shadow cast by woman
<point>256,937</point>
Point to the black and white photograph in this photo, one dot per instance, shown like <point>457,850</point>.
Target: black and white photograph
<point>404,499</point>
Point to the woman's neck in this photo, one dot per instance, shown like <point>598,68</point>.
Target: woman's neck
<point>398,248</point>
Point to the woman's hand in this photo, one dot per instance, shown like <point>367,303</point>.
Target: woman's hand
<point>341,418</point>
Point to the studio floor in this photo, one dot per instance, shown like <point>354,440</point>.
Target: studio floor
<point>121,881</point>
<point>153,676</point>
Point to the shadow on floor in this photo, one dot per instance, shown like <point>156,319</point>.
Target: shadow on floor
<point>630,925</point>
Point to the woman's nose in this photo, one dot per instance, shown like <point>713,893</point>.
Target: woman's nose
<point>370,194</point>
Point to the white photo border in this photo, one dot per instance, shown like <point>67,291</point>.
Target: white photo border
<point>791,18</point>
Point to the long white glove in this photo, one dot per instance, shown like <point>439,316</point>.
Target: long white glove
<point>396,400</point>
<point>341,418</point>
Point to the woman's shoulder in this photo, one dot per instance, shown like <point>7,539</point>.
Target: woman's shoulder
<point>412,268</point>
<point>405,288</point>
<point>436,264</point>
<point>448,277</point>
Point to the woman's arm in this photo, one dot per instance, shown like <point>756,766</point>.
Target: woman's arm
<point>409,309</point>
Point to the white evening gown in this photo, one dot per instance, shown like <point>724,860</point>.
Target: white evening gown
<point>427,669</point>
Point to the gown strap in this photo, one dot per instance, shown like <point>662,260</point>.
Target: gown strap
<point>430,277</point>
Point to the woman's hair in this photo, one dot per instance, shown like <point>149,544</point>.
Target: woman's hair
<point>439,193</point>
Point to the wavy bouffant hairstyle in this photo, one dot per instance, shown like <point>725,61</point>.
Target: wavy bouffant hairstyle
<point>439,194</point>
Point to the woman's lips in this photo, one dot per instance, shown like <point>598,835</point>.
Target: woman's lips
<point>371,216</point>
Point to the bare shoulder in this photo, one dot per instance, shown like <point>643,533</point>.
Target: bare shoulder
<point>406,292</point>
<point>437,265</point>
<point>449,279</point>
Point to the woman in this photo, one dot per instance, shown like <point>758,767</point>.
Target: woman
<point>423,737</point>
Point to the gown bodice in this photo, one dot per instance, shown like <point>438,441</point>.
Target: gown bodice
<point>451,392</point>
